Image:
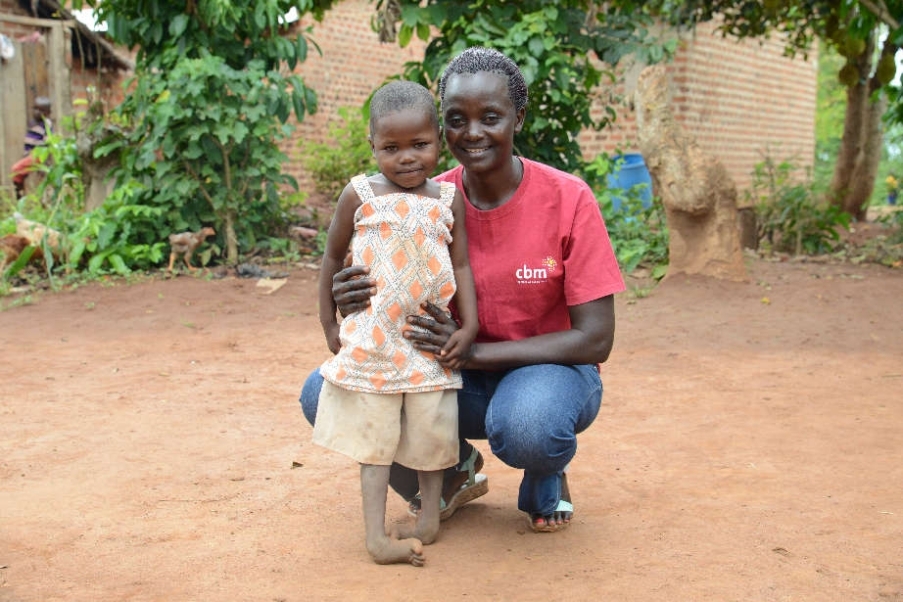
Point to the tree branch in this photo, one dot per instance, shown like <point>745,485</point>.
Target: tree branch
<point>879,9</point>
<point>200,182</point>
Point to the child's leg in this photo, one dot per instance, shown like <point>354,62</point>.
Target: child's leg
<point>430,495</point>
<point>382,548</point>
<point>427,526</point>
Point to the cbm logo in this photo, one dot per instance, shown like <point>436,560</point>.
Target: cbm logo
<point>527,273</point>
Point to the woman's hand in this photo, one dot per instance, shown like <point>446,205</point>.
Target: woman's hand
<point>432,331</point>
<point>352,289</point>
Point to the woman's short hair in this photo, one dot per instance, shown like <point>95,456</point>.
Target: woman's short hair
<point>476,59</point>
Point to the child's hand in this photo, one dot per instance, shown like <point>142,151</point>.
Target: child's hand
<point>332,338</point>
<point>456,350</point>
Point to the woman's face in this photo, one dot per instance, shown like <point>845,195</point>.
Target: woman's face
<point>480,120</point>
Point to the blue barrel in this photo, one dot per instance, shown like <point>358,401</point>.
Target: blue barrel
<point>633,172</point>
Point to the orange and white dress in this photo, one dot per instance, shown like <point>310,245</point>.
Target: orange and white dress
<point>403,238</point>
<point>383,400</point>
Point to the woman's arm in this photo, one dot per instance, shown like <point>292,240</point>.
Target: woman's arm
<point>588,341</point>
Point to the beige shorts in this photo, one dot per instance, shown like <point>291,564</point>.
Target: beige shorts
<point>417,430</point>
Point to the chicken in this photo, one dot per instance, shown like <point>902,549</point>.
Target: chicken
<point>11,246</point>
<point>185,244</point>
<point>36,233</point>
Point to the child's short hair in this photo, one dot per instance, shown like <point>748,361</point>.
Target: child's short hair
<point>476,59</point>
<point>401,94</point>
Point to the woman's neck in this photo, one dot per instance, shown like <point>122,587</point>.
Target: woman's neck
<point>492,190</point>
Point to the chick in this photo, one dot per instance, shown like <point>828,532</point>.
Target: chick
<point>185,243</point>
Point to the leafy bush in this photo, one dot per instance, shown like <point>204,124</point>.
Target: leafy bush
<point>345,154</point>
<point>638,234</point>
<point>118,236</point>
<point>790,215</point>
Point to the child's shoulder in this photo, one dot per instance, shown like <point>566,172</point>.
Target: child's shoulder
<point>381,186</point>
<point>433,188</point>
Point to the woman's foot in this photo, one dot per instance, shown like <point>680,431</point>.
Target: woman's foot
<point>461,484</point>
<point>396,551</point>
<point>560,517</point>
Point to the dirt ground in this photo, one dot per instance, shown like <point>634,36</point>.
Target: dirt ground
<point>749,448</point>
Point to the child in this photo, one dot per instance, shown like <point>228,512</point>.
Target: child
<point>383,401</point>
<point>35,136</point>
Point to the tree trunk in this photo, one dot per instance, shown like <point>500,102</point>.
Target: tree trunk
<point>856,201</point>
<point>850,142</point>
<point>699,196</point>
<point>860,147</point>
<point>231,239</point>
<point>95,172</point>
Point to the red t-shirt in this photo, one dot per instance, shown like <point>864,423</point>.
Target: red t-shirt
<point>544,250</point>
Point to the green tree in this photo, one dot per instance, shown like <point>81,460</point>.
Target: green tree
<point>829,114</point>
<point>866,33</point>
<point>213,91</point>
<point>554,43</point>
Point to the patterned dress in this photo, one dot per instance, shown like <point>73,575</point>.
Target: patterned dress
<point>403,238</point>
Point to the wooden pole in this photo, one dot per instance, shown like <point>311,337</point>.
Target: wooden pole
<point>35,22</point>
<point>60,79</point>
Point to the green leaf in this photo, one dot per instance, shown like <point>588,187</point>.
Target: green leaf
<point>75,255</point>
<point>96,263</point>
<point>20,262</point>
<point>298,103</point>
<point>178,25</point>
<point>404,35</point>
<point>301,43</point>
<point>310,100</point>
<point>118,264</point>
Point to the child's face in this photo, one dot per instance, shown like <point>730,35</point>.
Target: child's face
<point>406,146</point>
<point>40,112</point>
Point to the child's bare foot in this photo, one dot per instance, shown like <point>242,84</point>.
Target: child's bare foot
<point>421,530</point>
<point>396,551</point>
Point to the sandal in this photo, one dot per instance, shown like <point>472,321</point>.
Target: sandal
<point>548,523</point>
<point>464,485</point>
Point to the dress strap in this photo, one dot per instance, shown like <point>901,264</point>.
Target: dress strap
<point>362,188</point>
<point>447,193</point>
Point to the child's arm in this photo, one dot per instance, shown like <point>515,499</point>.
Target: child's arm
<point>338,240</point>
<point>457,348</point>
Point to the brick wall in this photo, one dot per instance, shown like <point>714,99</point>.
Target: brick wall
<point>354,63</point>
<point>745,100</point>
<point>104,85</point>
<point>739,99</point>
<point>13,30</point>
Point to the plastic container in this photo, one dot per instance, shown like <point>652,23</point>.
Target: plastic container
<point>633,172</point>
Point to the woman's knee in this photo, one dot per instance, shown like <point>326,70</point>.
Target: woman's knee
<point>541,449</point>
<point>536,412</point>
<point>310,395</point>
<point>532,437</point>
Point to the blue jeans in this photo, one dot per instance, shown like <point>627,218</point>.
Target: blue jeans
<point>530,416</point>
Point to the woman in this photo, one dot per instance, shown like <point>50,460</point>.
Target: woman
<point>545,277</point>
